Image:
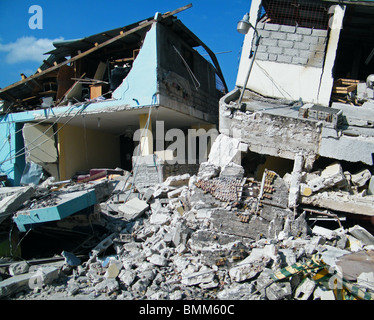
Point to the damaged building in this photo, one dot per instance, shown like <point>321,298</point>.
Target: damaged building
<point>276,212</point>
<point>306,109</point>
<point>81,108</point>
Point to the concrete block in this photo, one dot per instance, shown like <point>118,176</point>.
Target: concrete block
<point>278,35</point>
<point>310,39</point>
<point>284,59</point>
<point>291,52</point>
<point>127,277</point>
<point>294,37</point>
<point>232,170</point>
<point>288,29</point>
<point>264,33</point>
<point>303,31</point>
<point>249,268</point>
<point>274,291</point>
<point>160,218</point>
<point>133,209</point>
<point>272,26</point>
<point>305,289</point>
<point>107,286</point>
<point>272,57</point>
<point>275,50</point>
<point>285,44</point>
<point>262,56</point>
<point>260,26</point>
<point>301,46</point>
<point>18,268</point>
<point>158,260</point>
<point>319,33</point>
<point>360,178</point>
<point>269,42</point>
<point>299,60</point>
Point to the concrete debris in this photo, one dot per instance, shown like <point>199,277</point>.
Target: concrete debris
<point>193,237</point>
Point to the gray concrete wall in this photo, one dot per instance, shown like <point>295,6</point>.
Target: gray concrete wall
<point>290,44</point>
<point>196,89</point>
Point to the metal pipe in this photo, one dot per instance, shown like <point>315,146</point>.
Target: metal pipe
<point>258,38</point>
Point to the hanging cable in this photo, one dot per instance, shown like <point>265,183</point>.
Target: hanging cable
<point>195,82</point>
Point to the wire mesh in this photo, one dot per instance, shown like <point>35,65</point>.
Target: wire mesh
<point>301,13</point>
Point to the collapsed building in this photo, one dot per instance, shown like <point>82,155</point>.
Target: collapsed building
<point>245,224</point>
<point>82,107</point>
<point>303,103</point>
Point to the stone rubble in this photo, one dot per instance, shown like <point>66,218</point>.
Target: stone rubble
<point>181,243</point>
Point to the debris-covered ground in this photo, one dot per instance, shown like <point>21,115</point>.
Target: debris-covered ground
<point>217,235</point>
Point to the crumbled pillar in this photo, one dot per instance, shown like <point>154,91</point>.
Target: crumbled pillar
<point>296,181</point>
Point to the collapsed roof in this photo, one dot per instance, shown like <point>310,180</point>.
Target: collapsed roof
<point>112,46</point>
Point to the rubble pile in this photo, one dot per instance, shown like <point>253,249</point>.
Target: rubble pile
<point>187,239</point>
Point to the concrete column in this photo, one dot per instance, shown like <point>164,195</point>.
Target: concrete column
<point>295,181</point>
<point>146,141</point>
<point>327,81</point>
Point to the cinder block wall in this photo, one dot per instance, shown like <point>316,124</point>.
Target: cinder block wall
<point>292,45</point>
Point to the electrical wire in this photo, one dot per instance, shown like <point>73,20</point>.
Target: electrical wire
<point>22,150</point>
<point>195,82</point>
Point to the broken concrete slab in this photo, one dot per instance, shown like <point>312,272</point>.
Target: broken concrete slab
<point>14,199</point>
<point>362,234</point>
<point>330,177</point>
<point>248,268</point>
<point>133,209</point>
<point>31,280</point>
<point>353,264</point>
<point>205,276</point>
<point>177,181</point>
<point>324,232</point>
<point>67,204</point>
<point>225,150</point>
<point>366,280</point>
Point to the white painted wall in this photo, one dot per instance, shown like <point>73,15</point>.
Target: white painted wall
<point>282,80</point>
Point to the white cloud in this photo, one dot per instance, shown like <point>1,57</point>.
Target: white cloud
<point>27,49</point>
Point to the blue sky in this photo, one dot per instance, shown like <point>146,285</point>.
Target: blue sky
<point>21,47</point>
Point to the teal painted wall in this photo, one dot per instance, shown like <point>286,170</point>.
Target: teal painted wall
<point>140,85</point>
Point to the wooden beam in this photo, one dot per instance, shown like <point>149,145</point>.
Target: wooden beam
<point>141,25</point>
